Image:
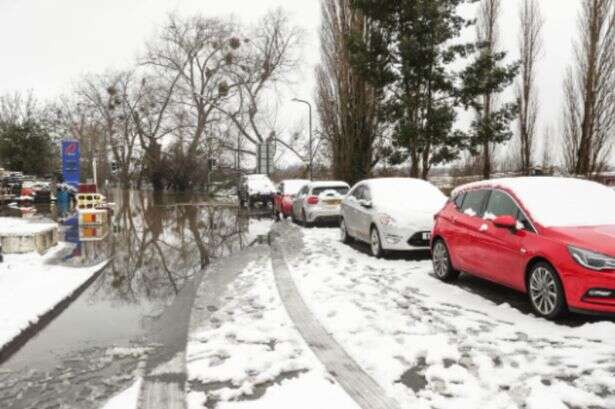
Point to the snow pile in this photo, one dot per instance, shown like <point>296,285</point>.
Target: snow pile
<point>14,226</point>
<point>560,202</point>
<point>251,356</point>
<point>126,399</point>
<point>259,227</point>
<point>29,287</point>
<point>433,345</point>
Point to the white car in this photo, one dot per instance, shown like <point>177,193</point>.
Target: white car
<point>391,214</point>
<point>256,189</point>
<point>319,202</point>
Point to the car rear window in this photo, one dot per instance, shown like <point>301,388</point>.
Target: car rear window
<point>342,190</point>
<point>473,202</point>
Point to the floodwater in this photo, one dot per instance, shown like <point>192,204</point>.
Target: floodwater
<point>158,248</point>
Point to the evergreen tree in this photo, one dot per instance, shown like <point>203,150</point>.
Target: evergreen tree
<point>27,148</point>
<point>413,47</point>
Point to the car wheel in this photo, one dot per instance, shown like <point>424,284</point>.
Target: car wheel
<point>344,235</point>
<point>545,291</point>
<point>442,267</point>
<point>375,245</point>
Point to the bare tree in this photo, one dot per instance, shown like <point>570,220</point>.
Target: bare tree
<point>18,108</point>
<point>101,118</point>
<point>348,106</point>
<point>589,91</point>
<point>530,49</point>
<point>195,56</point>
<point>547,147</point>
<point>266,60</point>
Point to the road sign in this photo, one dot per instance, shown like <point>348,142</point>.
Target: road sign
<point>71,166</point>
<point>265,155</point>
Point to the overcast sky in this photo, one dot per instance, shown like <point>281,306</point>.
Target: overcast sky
<point>45,45</point>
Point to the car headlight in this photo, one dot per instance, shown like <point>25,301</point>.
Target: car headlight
<point>385,219</point>
<point>591,260</point>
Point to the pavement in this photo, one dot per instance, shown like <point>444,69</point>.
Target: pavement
<point>355,381</point>
<point>165,379</point>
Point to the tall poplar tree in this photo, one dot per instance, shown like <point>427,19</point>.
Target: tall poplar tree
<point>483,79</point>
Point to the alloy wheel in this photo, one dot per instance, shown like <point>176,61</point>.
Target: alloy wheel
<point>440,260</point>
<point>375,243</point>
<point>544,291</point>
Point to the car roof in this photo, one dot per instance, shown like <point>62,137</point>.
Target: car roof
<point>306,181</point>
<point>394,180</point>
<point>328,183</point>
<point>526,182</point>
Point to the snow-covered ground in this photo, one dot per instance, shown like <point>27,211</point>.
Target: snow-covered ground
<point>29,287</point>
<point>14,226</point>
<point>429,344</point>
<point>249,354</point>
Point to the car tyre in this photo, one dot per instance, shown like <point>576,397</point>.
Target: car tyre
<point>344,235</point>
<point>441,259</point>
<point>545,291</point>
<point>375,244</point>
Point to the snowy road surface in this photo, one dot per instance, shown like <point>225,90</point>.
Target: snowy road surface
<point>30,287</point>
<point>434,345</point>
<point>249,355</point>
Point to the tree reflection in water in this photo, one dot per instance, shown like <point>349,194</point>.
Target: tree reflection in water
<point>158,246</point>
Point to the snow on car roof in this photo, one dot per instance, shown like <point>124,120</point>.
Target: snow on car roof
<point>406,193</point>
<point>329,183</point>
<point>558,201</point>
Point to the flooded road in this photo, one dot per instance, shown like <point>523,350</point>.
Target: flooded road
<point>158,249</point>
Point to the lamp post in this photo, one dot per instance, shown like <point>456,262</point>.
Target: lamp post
<point>310,144</point>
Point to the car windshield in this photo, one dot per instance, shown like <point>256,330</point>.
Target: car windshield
<point>416,194</point>
<point>341,189</point>
<point>560,202</point>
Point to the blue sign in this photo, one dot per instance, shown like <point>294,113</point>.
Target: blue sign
<point>71,166</point>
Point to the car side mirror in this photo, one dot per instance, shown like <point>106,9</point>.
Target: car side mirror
<point>505,222</point>
<point>366,203</point>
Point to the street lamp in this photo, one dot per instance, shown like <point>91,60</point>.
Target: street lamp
<point>310,108</point>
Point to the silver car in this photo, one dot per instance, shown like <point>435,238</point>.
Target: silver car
<point>391,214</point>
<point>319,202</point>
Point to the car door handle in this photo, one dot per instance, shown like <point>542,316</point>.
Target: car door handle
<point>483,227</point>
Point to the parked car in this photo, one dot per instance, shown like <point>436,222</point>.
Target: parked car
<point>285,194</point>
<point>391,214</point>
<point>319,202</point>
<point>256,189</point>
<point>552,238</point>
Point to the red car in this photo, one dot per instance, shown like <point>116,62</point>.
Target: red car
<point>552,238</point>
<point>283,199</point>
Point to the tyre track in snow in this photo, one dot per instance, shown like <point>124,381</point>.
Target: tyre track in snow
<point>355,381</point>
